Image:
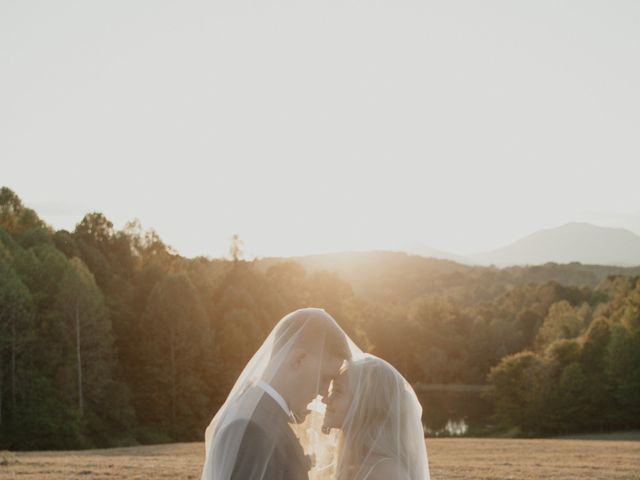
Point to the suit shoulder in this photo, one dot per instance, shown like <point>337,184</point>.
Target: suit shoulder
<point>243,450</point>
<point>244,427</point>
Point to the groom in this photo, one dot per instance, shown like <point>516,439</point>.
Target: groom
<point>255,440</point>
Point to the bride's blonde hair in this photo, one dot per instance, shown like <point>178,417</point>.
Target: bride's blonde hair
<point>376,421</point>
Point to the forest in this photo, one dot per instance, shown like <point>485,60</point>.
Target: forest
<point>110,337</point>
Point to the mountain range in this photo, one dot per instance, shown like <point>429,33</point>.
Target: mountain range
<point>571,242</point>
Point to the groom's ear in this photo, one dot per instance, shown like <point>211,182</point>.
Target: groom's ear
<point>298,358</point>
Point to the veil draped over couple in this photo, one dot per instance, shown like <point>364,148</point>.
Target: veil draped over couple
<point>311,405</point>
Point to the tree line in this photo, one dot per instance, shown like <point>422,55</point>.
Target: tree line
<point>110,337</point>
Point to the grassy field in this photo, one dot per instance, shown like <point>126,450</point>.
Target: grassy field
<point>628,435</point>
<point>471,459</point>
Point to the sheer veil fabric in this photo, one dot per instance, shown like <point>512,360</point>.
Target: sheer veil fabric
<point>273,424</point>
<point>378,420</point>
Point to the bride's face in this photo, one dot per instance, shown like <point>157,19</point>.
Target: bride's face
<point>339,401</point>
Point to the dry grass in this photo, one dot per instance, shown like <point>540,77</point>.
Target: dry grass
<point>489,459</point>
<point>471,459</point>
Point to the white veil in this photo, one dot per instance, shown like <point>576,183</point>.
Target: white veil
<point>380,431</point>
<point>271,424</point>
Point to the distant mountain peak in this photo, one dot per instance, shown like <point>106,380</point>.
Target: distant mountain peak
<point>571,242</point>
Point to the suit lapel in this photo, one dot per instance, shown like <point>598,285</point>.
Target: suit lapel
<point>274,417</point>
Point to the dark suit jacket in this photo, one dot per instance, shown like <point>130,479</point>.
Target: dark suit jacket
<point>269,450</point>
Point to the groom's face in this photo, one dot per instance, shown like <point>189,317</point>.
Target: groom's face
<point>315,375</point>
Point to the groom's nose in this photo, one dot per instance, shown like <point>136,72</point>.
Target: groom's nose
<point>324,390</point>
<point>323,393</point>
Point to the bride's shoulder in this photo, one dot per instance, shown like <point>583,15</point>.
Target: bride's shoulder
<point>387,468</point>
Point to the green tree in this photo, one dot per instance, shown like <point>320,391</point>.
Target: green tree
<point>440,340</point>
<point>572,411</point>
<point>177,348</point>
<point>562,321</point>
<point>622,364</point>
<point>14,216</point>
<point>16,315</point>
<point>81,307</point>
<point>519,390</point>
<point>592,360</point>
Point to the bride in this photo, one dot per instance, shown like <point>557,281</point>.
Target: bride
<point>379,418</point>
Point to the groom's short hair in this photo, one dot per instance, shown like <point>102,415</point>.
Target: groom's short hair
<point>306,327</point>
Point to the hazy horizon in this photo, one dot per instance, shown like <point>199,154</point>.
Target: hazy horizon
<point>328,127</point>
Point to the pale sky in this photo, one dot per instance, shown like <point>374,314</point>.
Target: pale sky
<point>308,127</point>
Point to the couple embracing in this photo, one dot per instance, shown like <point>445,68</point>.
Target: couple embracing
<point>310,405</point>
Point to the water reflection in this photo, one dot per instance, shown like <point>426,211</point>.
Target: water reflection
<point>452,411</point>
<point>453,428</point>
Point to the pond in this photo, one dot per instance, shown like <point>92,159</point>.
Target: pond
<point>455,410</point>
